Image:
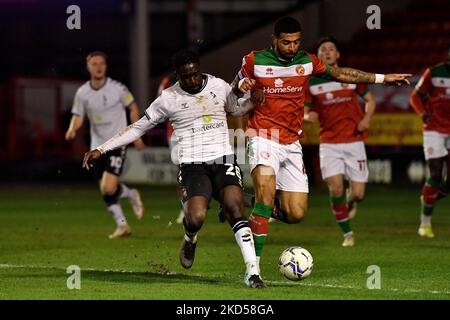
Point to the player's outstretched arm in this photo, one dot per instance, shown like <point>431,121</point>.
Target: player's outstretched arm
<point>351,75</point>
<point>123,138</point>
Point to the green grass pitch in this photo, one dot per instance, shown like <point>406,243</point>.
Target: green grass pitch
<point>45,229</point>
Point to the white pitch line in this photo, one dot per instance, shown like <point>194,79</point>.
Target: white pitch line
<point>333,286</point>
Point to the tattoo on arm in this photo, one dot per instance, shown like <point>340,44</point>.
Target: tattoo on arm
<point>350,75</point>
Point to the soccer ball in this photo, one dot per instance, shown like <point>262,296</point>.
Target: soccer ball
<point>295,263</point>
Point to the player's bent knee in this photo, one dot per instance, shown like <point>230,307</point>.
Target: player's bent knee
<point>296,218</point>
<point>233,210</point>
<point>296,215</point>
<point>195,217</point>
<point>358,196</point>
<point>108,190</point>
<point>336,192</point>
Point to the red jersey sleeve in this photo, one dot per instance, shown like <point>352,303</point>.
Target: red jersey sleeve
<point>362,89</point>
<point>248,66</point>
<point>319,67</point>
<point>423,86</point>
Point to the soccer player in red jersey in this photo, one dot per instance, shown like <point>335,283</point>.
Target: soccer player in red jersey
<point>431,101</point>
<point>275,125</point>
<point>343,129</point>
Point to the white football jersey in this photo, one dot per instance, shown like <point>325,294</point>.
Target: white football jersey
<point>105,108</point>
<point>199,120</point>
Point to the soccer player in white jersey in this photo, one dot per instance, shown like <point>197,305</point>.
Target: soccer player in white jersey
<point>197,105</point>
<point>106,102</point>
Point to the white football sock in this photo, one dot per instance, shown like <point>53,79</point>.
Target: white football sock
<point>425,220</point>
<point>190,238</point>
<point>244,239</point>
<point>117,213</point>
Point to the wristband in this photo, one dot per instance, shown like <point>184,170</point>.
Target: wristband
<point>237,92</point>
<point>240,83</point>
<point>379,78</point>
<point>102,151</point>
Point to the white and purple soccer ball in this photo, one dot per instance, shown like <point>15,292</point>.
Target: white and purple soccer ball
<point>295,263</point>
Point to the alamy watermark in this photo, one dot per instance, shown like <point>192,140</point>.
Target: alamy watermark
<point>74,280</point>
<point>374,20</point>
<point>374,280</point>
<point>73,22</point>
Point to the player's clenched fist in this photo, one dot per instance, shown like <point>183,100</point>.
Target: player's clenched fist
<point>246,84</point>
<point>70,134</point>
<point>89,157</point>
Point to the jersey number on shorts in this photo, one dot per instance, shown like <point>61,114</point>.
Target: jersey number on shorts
<point>234,171</point>
<point>116,163</point>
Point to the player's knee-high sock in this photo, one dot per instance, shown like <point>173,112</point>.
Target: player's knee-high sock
<point>125,192</point>
<point>259,223</point>
<point>340,211</point>
<point>114,208</point>
<point>190,234</point>
<point>431,193</point>
<point>278,213</point>
<point>244,239</point>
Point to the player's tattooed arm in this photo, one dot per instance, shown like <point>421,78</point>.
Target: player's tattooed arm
<point>351,75</point>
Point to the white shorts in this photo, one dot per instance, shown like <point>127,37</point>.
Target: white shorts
<point>348,159</point>
<point>435,144</point>
<point>285,159</point>
<point>174,148</point>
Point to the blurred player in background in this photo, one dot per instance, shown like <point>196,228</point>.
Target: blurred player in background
<point>167,82</point>
<point>275,126</point>
<point>106,103</point>
<point>431,101</point>
<point>343,129</point>
<point>197,105</point>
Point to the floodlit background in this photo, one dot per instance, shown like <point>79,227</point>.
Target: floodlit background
<point>42,63</point>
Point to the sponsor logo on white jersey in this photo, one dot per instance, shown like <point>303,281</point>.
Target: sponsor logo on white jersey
<point>207,127</point>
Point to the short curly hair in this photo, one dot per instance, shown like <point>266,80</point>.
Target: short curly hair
<point>184,57</point>
<point>286,25</point>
